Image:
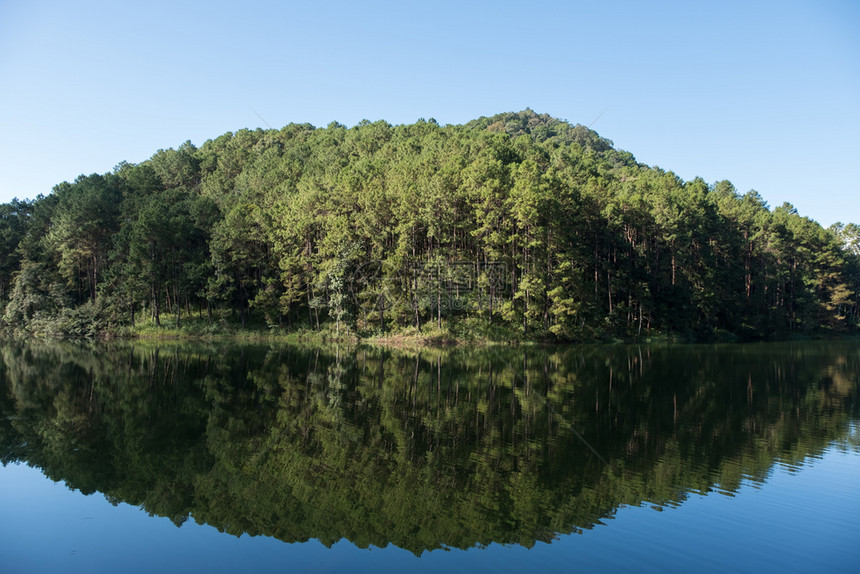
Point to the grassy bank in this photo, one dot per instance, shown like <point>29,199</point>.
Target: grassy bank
<point>466,332</point>
<point>90,322</point>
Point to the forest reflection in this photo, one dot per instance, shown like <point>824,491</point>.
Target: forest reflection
<point>422,450</point>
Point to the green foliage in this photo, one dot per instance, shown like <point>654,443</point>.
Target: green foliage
<point>14,217</point>
<point>520,223</point>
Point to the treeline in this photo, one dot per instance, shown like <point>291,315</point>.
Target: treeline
<point>423,451</point>
<point>519,224</point>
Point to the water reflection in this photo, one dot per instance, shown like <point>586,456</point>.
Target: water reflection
<point>420,450</point>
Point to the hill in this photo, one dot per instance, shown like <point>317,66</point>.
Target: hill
<point>517,225</point>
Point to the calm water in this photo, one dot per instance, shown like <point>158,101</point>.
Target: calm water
<point>140,458</point>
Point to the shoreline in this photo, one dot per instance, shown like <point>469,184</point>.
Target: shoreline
<point>434,339</point>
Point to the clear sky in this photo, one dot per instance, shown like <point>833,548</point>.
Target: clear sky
<point>763,93</point>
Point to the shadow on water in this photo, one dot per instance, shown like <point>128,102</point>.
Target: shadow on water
<point>421,450</point>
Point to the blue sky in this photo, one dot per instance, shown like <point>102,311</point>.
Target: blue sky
<point>765,94</point>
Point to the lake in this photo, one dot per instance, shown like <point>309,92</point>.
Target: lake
<point>140,457</point>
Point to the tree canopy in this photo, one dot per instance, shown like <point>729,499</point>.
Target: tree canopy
<point>519,223</point>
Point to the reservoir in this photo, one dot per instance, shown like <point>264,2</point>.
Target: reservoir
<point>214,457</point>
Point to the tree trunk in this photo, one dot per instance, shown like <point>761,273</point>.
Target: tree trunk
<point>155,308</point>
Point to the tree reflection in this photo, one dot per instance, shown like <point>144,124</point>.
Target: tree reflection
<point>421,450</point>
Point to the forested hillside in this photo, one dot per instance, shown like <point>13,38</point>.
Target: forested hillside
<point>519,224</point>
